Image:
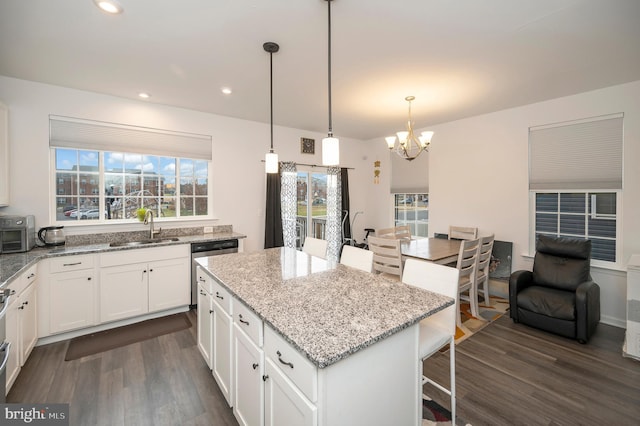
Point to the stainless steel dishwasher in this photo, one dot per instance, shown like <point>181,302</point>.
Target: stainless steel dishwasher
<point>204,249</point>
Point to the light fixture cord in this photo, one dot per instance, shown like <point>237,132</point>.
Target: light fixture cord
<point>329,68</point>
<point>271,93</point>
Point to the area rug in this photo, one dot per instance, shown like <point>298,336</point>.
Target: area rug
<point>116,337</point>
<point>488,312</point>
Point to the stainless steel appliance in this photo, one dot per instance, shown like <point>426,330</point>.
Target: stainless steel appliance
<point>52,235</point>
<point>204,249</point>
<point>17,233</point>
<point>5,346</point>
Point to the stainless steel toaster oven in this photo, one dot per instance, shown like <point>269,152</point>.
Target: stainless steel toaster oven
<point>17,233</point>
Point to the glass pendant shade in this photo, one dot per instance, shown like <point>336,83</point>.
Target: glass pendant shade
<point>271,162</point>
<point>391,141</point>
<point>330,151</point>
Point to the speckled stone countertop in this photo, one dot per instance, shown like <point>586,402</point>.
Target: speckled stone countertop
<point>12,264</point>
<point>326,310</point>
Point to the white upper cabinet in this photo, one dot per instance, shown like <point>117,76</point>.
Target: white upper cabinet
<point>4,155</point>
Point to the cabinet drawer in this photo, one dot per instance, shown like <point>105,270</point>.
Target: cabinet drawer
<point>221,296</point>
<point>302,372</point>
<point>204,280</point>
<point>27,277</point>
<point>248,321</point>
<point>71,263</point>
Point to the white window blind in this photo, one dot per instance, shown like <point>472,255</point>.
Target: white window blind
<point>584,154</point>
<point>65,132</point>
<point>410,176</point>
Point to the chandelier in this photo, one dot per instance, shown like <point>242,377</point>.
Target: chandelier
<point>406,144</point>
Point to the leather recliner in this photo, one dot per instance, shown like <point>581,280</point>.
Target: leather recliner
<point>559,295</point>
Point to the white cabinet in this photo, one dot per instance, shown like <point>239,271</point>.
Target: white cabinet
<point>21,322</point>
<point>284,404</point>
<point>205,324</point>
<point>136,282</point>
<point>223,341</point>
<point>68,294</point>
<point>4,155</point>
<point>248,405</point>
<point>248,338</point>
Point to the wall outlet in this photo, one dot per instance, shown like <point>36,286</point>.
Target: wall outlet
<point>208,229</point>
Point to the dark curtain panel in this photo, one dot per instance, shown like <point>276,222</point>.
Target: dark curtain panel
<point>344,178</point>
<point>273,213</point>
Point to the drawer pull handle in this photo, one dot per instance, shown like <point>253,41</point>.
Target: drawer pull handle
<point>31,276</point>
<point>210,311</point>
<point>218,296</point>
<point>241,320</point>
<point>203,293</point>
<point>254,366</point>
<point>72,264</point>
<point>265,377</point>
<point>201,279</point>
<point>283,362</point>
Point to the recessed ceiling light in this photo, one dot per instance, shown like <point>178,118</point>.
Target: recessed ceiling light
<point>110,6</point>
<point>226,90</point>
<point>144,95</point>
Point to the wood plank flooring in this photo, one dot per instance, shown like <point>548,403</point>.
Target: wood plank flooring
<point>512,374</point>
<point>507,374</point>
<point>160,381</point>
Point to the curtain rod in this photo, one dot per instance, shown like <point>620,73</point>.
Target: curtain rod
<point>312,165</point>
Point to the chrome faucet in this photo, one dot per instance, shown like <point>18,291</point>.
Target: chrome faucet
<point>148,220</point>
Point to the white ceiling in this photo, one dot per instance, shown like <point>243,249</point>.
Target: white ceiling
<point>459,58</point>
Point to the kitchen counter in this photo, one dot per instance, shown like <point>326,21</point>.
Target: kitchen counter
<point>327,311</point>
<point>11,264</point>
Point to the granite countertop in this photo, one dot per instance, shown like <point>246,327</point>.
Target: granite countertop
<point>326,310</point>
<point>11,264</point>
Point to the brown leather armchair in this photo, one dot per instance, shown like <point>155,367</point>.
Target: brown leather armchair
<point>559,295</point>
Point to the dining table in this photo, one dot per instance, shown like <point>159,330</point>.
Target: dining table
<point>436,250</point>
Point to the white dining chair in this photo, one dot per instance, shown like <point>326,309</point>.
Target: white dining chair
<point>397,232</point>
<point>466,266</point>
<point>357,258</point>
<point>481,274</point>
<point>439,329</point>
<point>315,247</point>
<point>387,257</point>
<point>462,233</point>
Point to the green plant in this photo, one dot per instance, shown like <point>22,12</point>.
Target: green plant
<point>140,213</point>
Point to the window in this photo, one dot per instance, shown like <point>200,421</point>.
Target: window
<point>107,171</point>
<point>412,210</point>
<point>311,197</point>
<point>575,181</point>
<point>590,215</point>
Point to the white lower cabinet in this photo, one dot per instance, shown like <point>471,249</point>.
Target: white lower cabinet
<point>284,403</point>
<point>248,405</point>
<point>21,323</point>
<point>68,294</point>
<point>223,350</point>
<point>136,282</point>
<point>205,324</point>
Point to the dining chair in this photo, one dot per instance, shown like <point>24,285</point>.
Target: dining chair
<point>437,330</point>
<point>462,233</point>
<point>481,275</point>
<point>387,258</point>
<point>357,258</point>
<point>315,247</point>
<point>466,266</point>
<point>397,232</point>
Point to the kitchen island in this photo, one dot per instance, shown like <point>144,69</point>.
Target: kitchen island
<point>354,336</point>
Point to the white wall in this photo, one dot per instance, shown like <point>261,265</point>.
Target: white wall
<point>238,179</point>
<point>478,176</point>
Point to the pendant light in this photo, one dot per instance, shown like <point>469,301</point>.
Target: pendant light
<point>271,159</point>
<point>330,145</point>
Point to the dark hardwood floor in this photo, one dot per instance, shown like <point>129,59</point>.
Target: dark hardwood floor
<point>512,374</point>
<point>160,381</point>
<point>507,374</point>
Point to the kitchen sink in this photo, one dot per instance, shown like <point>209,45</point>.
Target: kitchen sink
<point>144,242</point>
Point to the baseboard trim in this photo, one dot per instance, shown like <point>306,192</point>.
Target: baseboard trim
<point>75,333</point>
